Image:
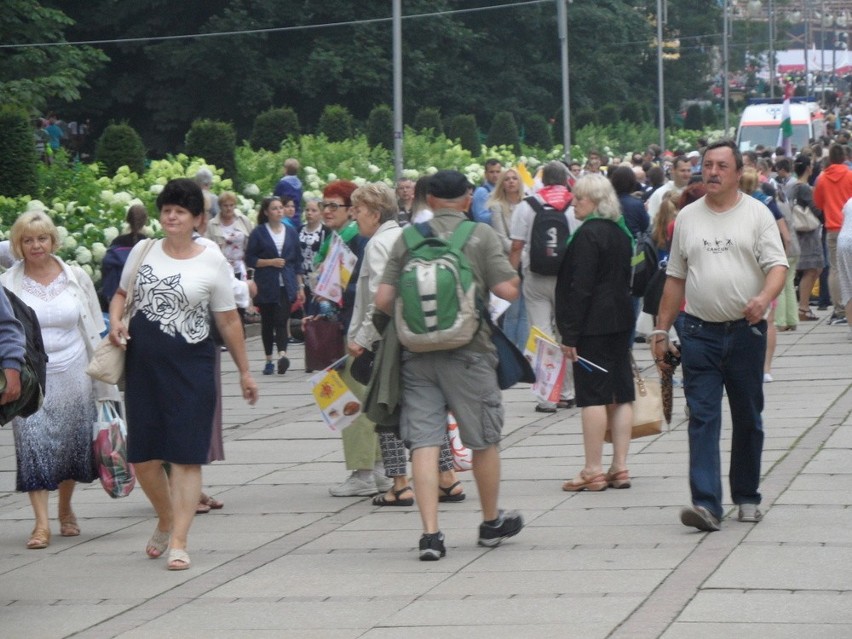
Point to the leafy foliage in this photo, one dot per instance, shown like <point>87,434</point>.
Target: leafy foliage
<point>585,117</point>
<point>504,130</point>
<point>380,127</point>
<point>272,126</point>
<point>463,128</point>
<point>33,76</point>
<point>636,112</point>
<point>538,133</point>
<point>18,160</point>
<point>335,123</point>
<point>120,145</point>
<point>215,142</point>
<point>428,119</point>
<point>608,114</point>
<point>694,118</point>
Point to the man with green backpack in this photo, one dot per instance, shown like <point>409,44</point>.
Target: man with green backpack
<point>436,287</point>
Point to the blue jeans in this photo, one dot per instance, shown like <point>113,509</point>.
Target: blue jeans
<point>515,323</point>
<point>725,355</point>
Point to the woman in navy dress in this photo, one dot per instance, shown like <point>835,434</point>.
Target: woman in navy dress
<point>171,389</point>
<point>275,255</point>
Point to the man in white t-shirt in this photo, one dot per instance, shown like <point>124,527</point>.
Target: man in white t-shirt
<point>728,262</point>
<point>681,172</point>
<point>540,290</point>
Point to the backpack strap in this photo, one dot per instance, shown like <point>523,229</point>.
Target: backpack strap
<point>537,206</point>
<point>461,235</point>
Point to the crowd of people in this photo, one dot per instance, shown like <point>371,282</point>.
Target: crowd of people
<point>739,266</point>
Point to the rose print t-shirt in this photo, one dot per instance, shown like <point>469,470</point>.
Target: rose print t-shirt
<point>180,294</point>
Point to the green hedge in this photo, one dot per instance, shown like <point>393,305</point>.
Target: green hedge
<point>214,141</point>
<point>18,162</point>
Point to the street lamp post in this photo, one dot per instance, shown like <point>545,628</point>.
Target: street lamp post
<point>562,19</point>
<point>725,64</point>
<point>661,112</point>
<point>397,89</point>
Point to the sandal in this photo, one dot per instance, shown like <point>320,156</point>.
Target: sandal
<point>449,495</point>
<point>40,538</point>
<point>158,543</point>
<point>207,500</point>
<point>807,315</point>
<point>382,500</point>
<point>618,479</point>
<point>178,559</point>
<point>581,482</point>
<point>68,526</point>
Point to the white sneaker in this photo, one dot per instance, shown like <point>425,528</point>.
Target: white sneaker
<point>383,484</point>
<point>767,378</point>
<point>355,487</point>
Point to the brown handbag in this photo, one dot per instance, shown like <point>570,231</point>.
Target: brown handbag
<point>323,343</point>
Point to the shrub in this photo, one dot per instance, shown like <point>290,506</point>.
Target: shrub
<point>635,112</point>
<point>709,116</point>
<point>18,162</point>
<point>538,133</point>
<point>586,116</point>
<point>272,127</point>
<point>504,131</point>
<point>609,114</point>
<point>694,120</point>
<point>120,145</point>
<point>428,119</point>
<point>215,142</point>
<point>335,123</point>
<point>380,127</point>
<point>463,129</point>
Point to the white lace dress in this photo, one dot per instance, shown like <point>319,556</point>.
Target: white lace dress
<point>55,443</point>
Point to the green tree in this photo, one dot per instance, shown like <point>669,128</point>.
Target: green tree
<point>380,127</point>
<point>35,76</point>
<point>635,112</point>
<point>120,145</point>
<point>608,114</point>
<point>272,127</point>
<point>504,130</point>
<point>215,142</point>
<point>335,123</point>
<point>694,120</point>
<point>428,119</point>
<point>584,117</point>
<point>538,133</point>
<point>18,162</point>
<point>463,129</point>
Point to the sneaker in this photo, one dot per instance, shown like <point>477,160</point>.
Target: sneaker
<point>545,407</point>
<point>749,513</point>
<point>836,320</point>
<point>295,341</point>
<point>565,403</point>
<point>269,369</point>
<point>699,517</point>
<point>283,364</point>
<point>767,378</point>
<point>383,484</point>
<point>354,486</point>
<point>508,524</point>
<point>432,547</point>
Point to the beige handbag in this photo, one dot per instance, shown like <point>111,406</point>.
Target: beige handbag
<point>648,405</point>
<point>107,362</point>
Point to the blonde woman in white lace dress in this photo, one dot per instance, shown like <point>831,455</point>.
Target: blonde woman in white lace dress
<point>53,447</point>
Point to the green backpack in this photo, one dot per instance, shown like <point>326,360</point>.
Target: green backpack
<point>436,306</point>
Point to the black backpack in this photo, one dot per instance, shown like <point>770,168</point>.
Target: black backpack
<point>548,239</point>
<point>34,370</point>
<point>643,265</point>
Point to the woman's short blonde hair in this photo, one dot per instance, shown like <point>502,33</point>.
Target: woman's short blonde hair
<point>749,180</point>
<point>598,189</point>
<point>32,223</point>
<point>379,198</point>
<point>227,196</point>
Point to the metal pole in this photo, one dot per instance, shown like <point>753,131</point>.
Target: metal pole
<point>771,48</point>
<point>397,88</point>
<point>807,47</point>
<point>822,21</point>
<point>725,64</point>
<point>661,113</point>
<point>562,23</point>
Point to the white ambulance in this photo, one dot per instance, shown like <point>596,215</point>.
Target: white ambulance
<point>760,124</point>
